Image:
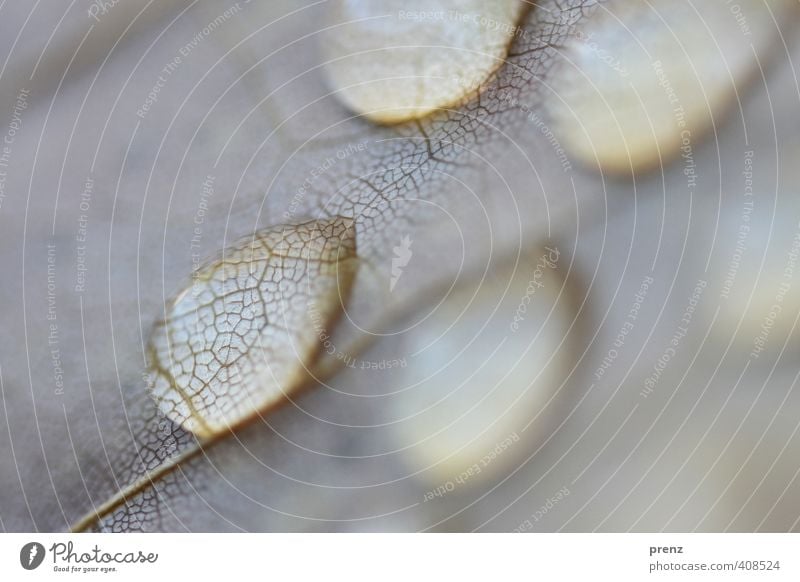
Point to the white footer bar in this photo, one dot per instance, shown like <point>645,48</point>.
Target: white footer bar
<point>401,557</point>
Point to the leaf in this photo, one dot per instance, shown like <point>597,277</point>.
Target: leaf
<point>250,106</point>
<point>389,182</point>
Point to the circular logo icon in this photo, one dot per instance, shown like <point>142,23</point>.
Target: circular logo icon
<point>31,555</point>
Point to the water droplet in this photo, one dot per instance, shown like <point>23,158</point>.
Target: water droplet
<point>641,80</point>
<point>401,59</point>
<point>484,374</point>
<point>240,336</point>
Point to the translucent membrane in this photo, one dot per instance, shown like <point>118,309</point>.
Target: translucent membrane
<point>239,337</point>
<point>401,59</point>
<point>641,80</point>
<point>484,374</point>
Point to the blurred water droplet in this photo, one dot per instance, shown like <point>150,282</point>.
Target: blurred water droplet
<point>239,337</point>
<point>401,59</point>
<point>482,371</point>
<point>641,80</point>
